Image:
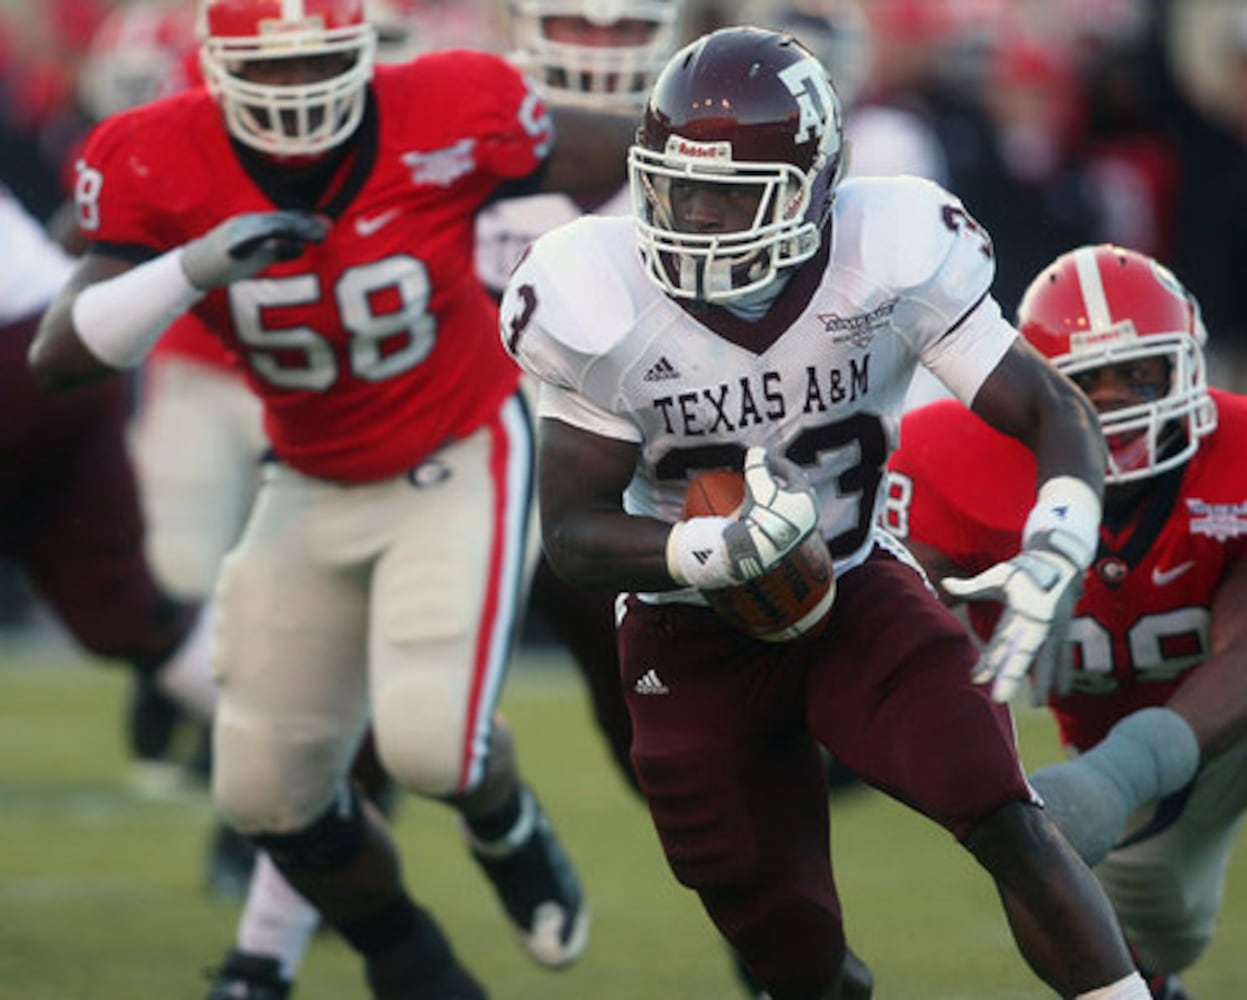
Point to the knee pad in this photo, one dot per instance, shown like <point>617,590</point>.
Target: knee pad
<point>329,842</point>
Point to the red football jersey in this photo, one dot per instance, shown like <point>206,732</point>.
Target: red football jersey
<point>1141,623</point>
<point>187,337</point>
<point>375,347</point>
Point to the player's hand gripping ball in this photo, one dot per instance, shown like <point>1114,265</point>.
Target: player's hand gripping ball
<point>791,599</point>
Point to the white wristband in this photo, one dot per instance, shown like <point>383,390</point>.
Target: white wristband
<point>696,555</point>
<point>120,320</point>
<point>1066,519</point>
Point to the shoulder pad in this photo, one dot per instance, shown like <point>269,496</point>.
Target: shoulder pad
<point>904,231</point>
<point>572,298</point>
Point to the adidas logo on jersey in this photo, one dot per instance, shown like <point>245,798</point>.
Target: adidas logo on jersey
<point>660,371</point>
<point>650,683</point>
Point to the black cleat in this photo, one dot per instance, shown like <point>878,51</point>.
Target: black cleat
<point>249,977</point>
<point>537,885</point>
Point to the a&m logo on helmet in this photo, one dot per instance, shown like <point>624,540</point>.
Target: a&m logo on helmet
<point>810,88</point>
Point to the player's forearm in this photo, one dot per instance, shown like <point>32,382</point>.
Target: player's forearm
<point>1213,699</point>
<point>591,152</point>
<point>108,318</point>
<point>609,550</point>
<point>1068,442</point>
<point>57,357</point>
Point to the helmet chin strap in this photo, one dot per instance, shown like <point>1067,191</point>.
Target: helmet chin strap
<point>714,277</point>
<point>706,277</point>
<point>752,306</point>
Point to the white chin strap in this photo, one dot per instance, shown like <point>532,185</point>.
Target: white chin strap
<point>708,279</point>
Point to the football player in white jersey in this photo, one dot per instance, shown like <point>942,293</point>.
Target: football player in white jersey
<point>756,314</point>
<point>599,56</point>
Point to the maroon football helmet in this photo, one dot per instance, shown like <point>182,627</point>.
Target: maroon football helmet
<point>738,107</point>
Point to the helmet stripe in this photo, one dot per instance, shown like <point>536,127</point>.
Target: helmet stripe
<point>1092,287</point>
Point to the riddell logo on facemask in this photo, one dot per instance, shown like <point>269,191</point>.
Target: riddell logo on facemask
<point>677,146</point>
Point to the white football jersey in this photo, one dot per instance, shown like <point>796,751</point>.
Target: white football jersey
<point>34,268</point>
<point>821,379</point>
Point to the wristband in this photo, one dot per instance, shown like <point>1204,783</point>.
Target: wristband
<point>119,320</point>
<point>696,554</point>
<point>1065,519</point>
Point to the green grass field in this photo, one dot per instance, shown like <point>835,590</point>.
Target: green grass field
<point>101,894</point>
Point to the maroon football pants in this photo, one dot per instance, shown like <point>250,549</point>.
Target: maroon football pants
<point>725,746</point>
<point>70,514</point>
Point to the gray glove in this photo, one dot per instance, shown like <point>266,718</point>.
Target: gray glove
<point>246,244</point>
<point>1146,756</point>
<point>778,512</point>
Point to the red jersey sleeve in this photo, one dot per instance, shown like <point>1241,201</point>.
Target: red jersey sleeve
<point>137,182</point>
<point>959,486</point>
<point>483,95</point>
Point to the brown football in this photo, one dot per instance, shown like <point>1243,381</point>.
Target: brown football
<point>790,600</point>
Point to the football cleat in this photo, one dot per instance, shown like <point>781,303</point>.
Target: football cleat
<point>537,886</point>
<point>249,977</point>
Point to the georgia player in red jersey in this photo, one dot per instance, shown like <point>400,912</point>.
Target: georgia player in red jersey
<point>1156,704</point>
<point>317,214</point>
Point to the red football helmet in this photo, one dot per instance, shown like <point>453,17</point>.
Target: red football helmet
<point>135,56</point>
<point>739,107</point>
<point>1105,305</point>
<point>611,57</point>
<point>288,119</point>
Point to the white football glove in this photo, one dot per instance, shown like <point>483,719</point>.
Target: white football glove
<point>1038,587</point>
<point>245,244</point>
<point>777,513</point>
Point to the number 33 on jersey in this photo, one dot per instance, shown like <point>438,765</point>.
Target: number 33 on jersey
<point>903,279</point>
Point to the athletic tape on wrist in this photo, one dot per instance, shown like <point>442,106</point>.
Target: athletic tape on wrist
<point>696,555</point>
<point>120,319</point>
<point>1065,518</point>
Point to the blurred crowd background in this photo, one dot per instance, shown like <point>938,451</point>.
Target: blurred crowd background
<point>1057,122</point>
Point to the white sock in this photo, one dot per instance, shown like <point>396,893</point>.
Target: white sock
<point>186,676</point>
<point>277,921</point>
<point>1131,988</point>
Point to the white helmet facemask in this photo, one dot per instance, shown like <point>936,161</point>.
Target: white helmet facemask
<point>291,119</point>
<point>1157,435</point>
<point>617,76</point>
<point>721,267</point>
